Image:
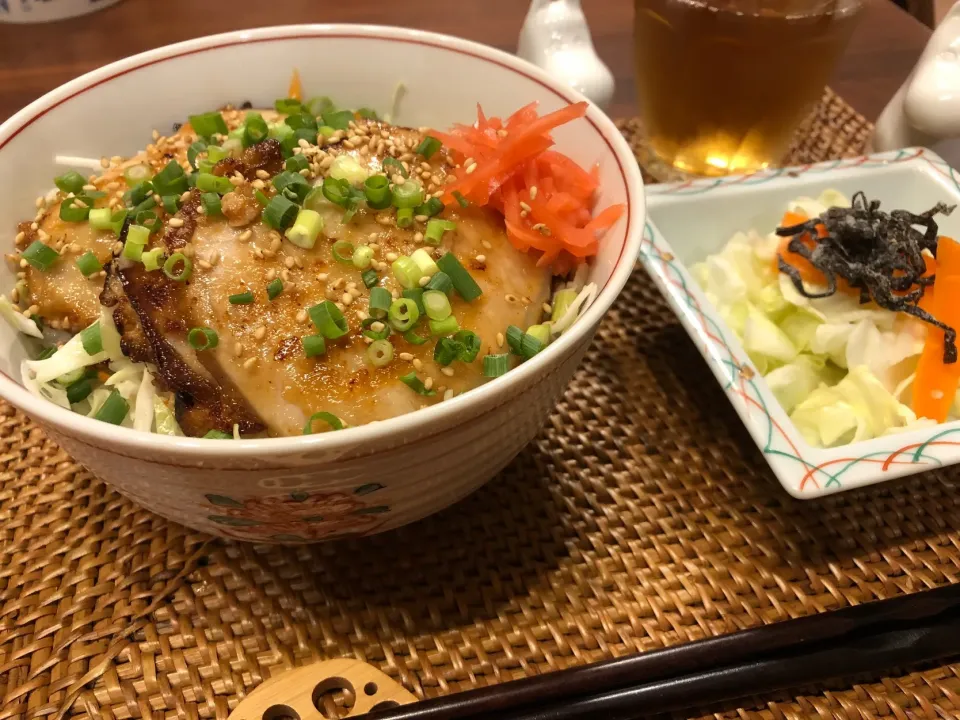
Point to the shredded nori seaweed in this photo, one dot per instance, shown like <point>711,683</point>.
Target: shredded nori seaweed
<point>877,253</point>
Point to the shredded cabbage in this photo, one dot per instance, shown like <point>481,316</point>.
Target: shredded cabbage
<point>839,368</point>
<point>17,320</point>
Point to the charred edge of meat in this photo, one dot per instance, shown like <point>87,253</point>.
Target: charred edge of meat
<point>266,155</point>
<point>207,402</point>
<point>133,341</point>
<point>175,238</point>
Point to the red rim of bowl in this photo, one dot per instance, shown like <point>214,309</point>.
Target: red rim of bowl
<point>91,431</point>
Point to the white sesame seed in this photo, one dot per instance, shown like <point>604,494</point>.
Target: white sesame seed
<point>417,364</point>
<point>377,326</point>
<point>471,168</point>
<point>347,299</point>
<point>392,256</point>
<point>246,235</point>
<point>288,261</point>
<point>499,339</point>
<point>448,371</point>
<point>428,383</point>
<point>104,162</point>
<point>481,258</point>
<point>302,316</point>
<point>404,355</point>
<point>423,281</point>
<point>547,309</point>
<point>238,349</point>
<point>258,184</point>
<point>322,277</point>
<point>486,244</point>
<point>19,238</point>
<point>249,363</point>
<point>271,274</point>
<point>185,196</point>
<point>418,237</point>
<point>263,174</point>
<point>15,295</point>
<point>175,222</point>
<point>260,333</point>
<point>34,226</point>
<point>203,265</point>
<point>448,394</point>
<point>510,298</point>
<point>524,206</point>
<point>533,192</point>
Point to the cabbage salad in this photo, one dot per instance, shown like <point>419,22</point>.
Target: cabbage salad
<point>840,369</point>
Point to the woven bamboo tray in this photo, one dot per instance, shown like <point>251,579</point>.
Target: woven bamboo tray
<point>643,516</point>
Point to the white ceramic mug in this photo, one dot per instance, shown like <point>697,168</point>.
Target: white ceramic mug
<point>37,11</point>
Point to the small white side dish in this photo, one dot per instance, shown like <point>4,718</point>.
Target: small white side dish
<point>690,220</point>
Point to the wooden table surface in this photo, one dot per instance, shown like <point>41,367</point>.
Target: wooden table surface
<point>37,58</point>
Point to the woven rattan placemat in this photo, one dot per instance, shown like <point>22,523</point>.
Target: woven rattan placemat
<point>642,517</point>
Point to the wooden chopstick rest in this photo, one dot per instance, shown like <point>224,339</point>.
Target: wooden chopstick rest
<point>296,694</point>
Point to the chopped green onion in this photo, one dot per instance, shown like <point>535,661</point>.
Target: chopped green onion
<point>100,218</point>
<point>47,352</point>
<point>380,353</point>
<point>404,217</point>
<point>171,204</point>
<point>280,131</point>
<point>280,213</point>
<point>70,182</point>
<point>320,104</point>
<point>261,197</point>
<point>40,256</point>
<point>203,338</point>
<point>217,435</point>
<point>326,131</point>
<point>294,182</point>
<point>447,326</point>
<point>79,391</point>
<point>305,229</point>
<point>408,195</point>
<point>255,129</point>
<point>198,147</point>
<point>117,220</point>
<point>540,332</point>
<point>148,204</point>
<point>380,300</point>
<point>207,182</point>
<point>436,228</point>
<point>192,179</point>
<point>416,294</point>
<point>367,330</point>
<point>446,351</point>
<point>362,257</point>
<point>169,267</point>
<point>338,120</point>
<point>495,365</point>
<point>329,418</point>
<point>400,169</point>
<point>562,300</point>
<point>274,288</point>
<point>288,105</point>
<point>411,337</point>
<point>113,410</point>
<point>530,346</point>
<point>151,259</point>
<point>139,192</point>
<point>244,298</point>
<point>403,314</point>
<point>431,207</point>
<point>302,121</point>
<point>458,196</point>
<point>336,191</point>
<point>406,272</point>
<point>469,345</point>
<point>75,209</point>
<point>208,124</point>
<point>367,113</point>
<point>296,163</point>
<point>204,166</point>
<point>211,203</point>
<point>137,238</point>
<point>313,345</point>
<point>328,319</point>
<point>71,377</point>
<point>427,147</point>
<point>88,264</point>
<point>171,180</point>
<point>514,339</point>
<point>437,305</point>
<point>292,140</point>
<point>216,153</point>
<point>440,281</point>
<point>414,383</point>
<point>149,220</point>
<point>137,173</point>
<point>425,262</point>
<point>91,339</point>
<point>342,251</point>
<point>463,282</point>
<point>370,278</point>
<point>376,188</point>
<point>346,167</point>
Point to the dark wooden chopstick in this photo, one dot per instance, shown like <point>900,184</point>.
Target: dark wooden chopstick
<point>658,672</point>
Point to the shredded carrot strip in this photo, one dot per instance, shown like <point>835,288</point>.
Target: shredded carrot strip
<point>295,90</point>
<point>546,198</point>
<point>936,382</point>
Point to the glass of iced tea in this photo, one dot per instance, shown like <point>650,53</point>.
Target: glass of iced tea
<point>724,84</point>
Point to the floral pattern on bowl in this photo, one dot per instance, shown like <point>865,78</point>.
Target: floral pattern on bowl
<point>298,516</point>
<point>699,216</point>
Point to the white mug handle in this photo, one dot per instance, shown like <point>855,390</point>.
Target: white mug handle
<point>555,36</point>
